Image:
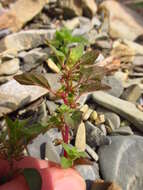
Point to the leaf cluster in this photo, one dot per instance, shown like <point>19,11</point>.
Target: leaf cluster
<point>63,38</point>
<point>15,138</point>
<point>73,155</point>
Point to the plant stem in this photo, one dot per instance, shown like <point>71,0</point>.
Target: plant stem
<point>65,135</point>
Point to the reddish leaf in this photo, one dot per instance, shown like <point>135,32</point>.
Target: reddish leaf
<point>89,57</point>
<point>32,79</point>
<point>83,161</point>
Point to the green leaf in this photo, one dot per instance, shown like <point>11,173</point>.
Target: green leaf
<point>66,163</point>
<point>89,57</point>
<point>73,152</point>
<point>59,54</point>
<point>68,120</point>
<point>63,109</point>
<point>77,117</point>
<point>33,178</point>
<point>75,55</point>
<point>73,119</point>
<point>32,79</point>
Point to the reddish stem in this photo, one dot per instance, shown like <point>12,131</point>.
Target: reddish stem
<point>65,135</point>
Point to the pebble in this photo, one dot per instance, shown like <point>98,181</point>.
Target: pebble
<point>80,140</point>
<point>94,115</point>
<point>92,153</point>
<point>53,66</point>
<point>84,108</point>
<point>87,114</point>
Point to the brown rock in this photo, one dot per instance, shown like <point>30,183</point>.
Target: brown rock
<point>89,8</point>
<point>124,23</point>
<point>20,13</point>
<point>71,7</point>
<point>101,185</point>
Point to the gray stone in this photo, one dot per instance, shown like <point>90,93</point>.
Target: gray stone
<point>51,154</point>
<point>115,84</point>
<point>122,131</point>
<point>51,106</point>
<point>9,67</point>
<point>103,129</point>
<point>95,137</point>
<point>113,120</point>
<point>42,146</point>
<point>14,96</point>
<point>88,172</point>
<point>122,162</point>
<point>124,108</point>
<point>25,40</point>
<point>36,145</point>
<point>53,80</point>
<point>132,93</point>
<point>33,58</point>
<point>4,33</point>
<point>82,100</point>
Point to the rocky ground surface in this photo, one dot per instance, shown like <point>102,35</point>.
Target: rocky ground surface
<point>111,132</point>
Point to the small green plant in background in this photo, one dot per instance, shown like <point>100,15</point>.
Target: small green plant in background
<point>79,75</point>
<point>13,141</point>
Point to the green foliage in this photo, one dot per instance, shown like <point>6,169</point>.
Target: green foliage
<point>16,137</point>
<point>63,38</point>
<point>79,74</point>
<point>72,155</point>
<point>33,178</point>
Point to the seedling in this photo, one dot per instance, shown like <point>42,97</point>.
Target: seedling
<point>79,75</point>
<point>13,141</point>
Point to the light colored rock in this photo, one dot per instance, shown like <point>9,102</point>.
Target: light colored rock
<point>80,140</point>
<point>87,114</point>
<point>103,129</point>
<point>92,153</point>
<point>13,96</point>
<point>15,17</point>
<point>53,66</point>
<point>84,108</point>
<point>124,23</point>
<point>124,108</point>
<point>51,153</point>
<point>25,40</point>
<point>123,51</point>
<point>72,23</point>
<point>121,162</point>
<point>51,106</point>
<point>94,115</point>
<point>9,67</point>
<point>100,119</point>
